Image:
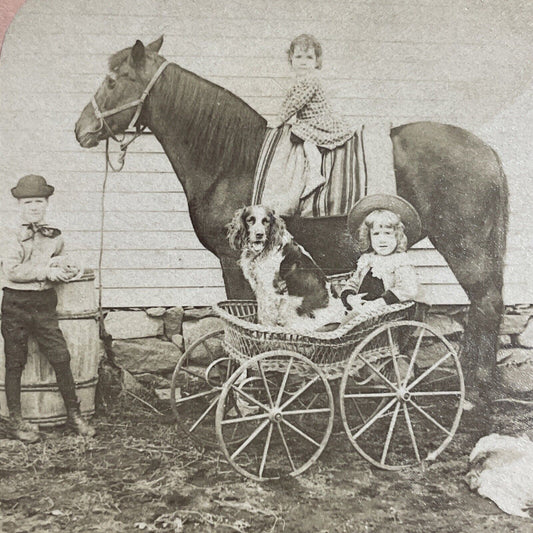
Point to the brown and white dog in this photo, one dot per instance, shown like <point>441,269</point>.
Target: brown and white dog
<point>291,289</point>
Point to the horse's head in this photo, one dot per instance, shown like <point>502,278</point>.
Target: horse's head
<point>109,113</point>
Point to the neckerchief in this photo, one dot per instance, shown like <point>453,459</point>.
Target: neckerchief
<point>43,229</point>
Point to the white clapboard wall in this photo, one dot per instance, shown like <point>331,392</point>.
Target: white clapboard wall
<point>457,61</point>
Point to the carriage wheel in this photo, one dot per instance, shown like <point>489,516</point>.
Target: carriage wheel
<point>196,384</point>
<point>402,387</point>
<point>277,393</point>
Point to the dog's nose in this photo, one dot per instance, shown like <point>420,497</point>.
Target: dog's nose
<point>259,235</point>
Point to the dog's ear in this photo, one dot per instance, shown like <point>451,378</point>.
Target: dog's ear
<point>276,229</point>
<point>237,231</point>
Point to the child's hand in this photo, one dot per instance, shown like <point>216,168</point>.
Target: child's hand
<point>56,273</point>
<point>70,271</point>
<point>356,301</point>
<point>374,305</point>
<point>63,268</point>
<point>280,286</point>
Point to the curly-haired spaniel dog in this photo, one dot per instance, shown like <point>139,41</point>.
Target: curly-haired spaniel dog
<point>291,289</point>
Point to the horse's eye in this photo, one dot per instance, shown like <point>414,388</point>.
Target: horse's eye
<point>111,83</point>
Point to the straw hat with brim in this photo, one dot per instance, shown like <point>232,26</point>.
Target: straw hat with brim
<point>32,186</point>
<point>407,213</point>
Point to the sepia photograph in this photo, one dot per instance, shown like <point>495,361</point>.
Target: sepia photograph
<point>266,266</point>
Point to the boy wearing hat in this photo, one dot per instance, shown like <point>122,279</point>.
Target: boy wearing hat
<point>29,305</point>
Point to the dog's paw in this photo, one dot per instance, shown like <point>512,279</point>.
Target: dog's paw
<point>305,312</point>
<point>280,286</point>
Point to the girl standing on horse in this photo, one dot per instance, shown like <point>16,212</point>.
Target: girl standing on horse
<point>316,126</point>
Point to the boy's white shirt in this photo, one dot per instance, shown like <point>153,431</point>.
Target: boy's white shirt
<point>25,263</point>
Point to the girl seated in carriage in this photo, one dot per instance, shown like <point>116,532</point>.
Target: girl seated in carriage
<point>316,126</point>
<point>383,226</point>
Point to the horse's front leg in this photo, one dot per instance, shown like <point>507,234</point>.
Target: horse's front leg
<point>237,288</point>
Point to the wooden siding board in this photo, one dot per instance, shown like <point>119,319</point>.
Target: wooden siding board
<point>407,24</point>
<point>161,296</point>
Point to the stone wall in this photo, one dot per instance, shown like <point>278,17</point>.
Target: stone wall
<point>148,343</point>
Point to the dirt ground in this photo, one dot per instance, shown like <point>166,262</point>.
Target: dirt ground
<point>141,474</point>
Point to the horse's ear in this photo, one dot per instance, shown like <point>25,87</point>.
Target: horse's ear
<point>137,54</point>
<point>156,45</point>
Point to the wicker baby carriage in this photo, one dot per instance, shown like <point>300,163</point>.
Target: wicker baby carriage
<point>267,392</point>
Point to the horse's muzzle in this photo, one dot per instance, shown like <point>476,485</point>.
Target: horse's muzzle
<point>88,140</point>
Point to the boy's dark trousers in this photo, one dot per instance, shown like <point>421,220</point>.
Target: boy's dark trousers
<point>34,312</point>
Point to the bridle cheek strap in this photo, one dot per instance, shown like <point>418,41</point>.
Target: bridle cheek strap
<point>101,116</point>
<point>145,93</point>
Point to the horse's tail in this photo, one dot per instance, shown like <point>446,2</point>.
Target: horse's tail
<point>498,232</point>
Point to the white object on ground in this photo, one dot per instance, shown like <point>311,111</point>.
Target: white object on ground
<point>501,469</point>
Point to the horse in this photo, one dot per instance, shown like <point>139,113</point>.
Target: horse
<point>212,138</point>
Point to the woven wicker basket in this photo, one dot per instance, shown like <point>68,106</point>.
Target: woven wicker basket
<point>244,338</point>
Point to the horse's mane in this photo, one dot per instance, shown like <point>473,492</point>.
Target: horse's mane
<point>118,58</point>
<point>222,132</point>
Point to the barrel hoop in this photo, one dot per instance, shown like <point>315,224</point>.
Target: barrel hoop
<point>53,420</point>
<point>78,316</point>
<point>43,387</point>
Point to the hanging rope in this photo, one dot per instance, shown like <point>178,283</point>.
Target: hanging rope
<point>103,333</point>
<point>121,160</point>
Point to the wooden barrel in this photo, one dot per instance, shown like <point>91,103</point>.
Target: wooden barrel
<point>78,320</point>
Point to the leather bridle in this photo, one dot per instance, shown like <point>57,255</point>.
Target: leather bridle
<point>138,103</point>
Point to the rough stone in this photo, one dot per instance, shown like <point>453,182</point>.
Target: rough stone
<point>153,381</point>
<point>513,324</point>
<point>156,311</point>
<point>504,340</point>
<point>515,370</point>
<point>132,325</point>
<point>129,382</point>
<point>163,394</point>
<point>194,330</point>
<point>178,340</point>
<point>444,324</point>
<point>195,313</point>
<point>514,356</point>
<point>173,319</point>
<point>146,355</point>
<point>526,337</point>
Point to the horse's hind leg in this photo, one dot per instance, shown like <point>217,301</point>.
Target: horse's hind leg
<point>480,343</point>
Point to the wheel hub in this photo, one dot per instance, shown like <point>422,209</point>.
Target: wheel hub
<point>404,394</point>
<point>276,415</point>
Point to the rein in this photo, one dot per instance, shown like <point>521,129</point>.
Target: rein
<point>138,103</point>
<point>101,116</point>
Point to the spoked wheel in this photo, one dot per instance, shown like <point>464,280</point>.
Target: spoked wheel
<point>286,408</point>
<point>402,395</point>
<point>196,385</point>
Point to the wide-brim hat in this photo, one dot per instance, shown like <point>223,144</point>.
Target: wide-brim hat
<point>32,186</point>
<point>407,213</point>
